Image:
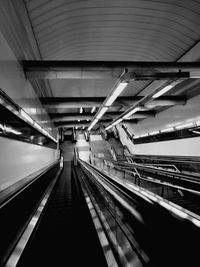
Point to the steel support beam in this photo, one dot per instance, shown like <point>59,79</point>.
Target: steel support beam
<point>105,69</point>
<point>58,117</point>
<point>85,102</point>
<point>77,123</point>
<point>69,124</point>
<point>89,102</point>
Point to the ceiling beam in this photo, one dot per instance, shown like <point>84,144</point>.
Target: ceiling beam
<point>89,102</point>
<point>58,117</point>
<point>106,69</point>
<point>167,101</point>
<point>69,124</point>
<point>76,123</point>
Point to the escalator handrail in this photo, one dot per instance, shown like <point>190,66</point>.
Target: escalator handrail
<point>180,176</point>
<point>144,194</point>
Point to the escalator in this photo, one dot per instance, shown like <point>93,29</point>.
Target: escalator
<point>17,208</point>
<point>150,233</point>
<point>179,188</point>
<point>136,230</point>
<point>64,234</point>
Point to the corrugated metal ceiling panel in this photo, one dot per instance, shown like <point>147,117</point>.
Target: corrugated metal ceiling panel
<point>115,30</point>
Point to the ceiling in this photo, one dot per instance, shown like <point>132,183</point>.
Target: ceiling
<point>108,31</point>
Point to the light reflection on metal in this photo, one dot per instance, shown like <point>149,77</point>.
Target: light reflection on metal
<point>13,131</point>
<point>10,105</point>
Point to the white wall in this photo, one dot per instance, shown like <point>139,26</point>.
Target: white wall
<point>17,87</point>
<point>19,159</point>
<point>176,115</point>
<point>178,147</point>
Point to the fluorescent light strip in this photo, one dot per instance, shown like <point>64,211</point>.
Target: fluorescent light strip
<point>131,112</point>
<point>92,125</point>
<point>108,127</point>
<point>102,111</point>
<point>81,109</point>
<point>116,122</point>
<point>162,91</point>
<point>118,90</point>
<point>93,110</point>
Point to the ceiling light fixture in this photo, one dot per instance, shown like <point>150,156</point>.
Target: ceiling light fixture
<point>117,91</point>
<point>92,124</point>
<point>131,113</point>
<point>162,91</point>
<point>108,127</point>
<point>93,110</point>
<point>81,109</point>
<point>102,111</point>
<point>113,94</point>
<point>117,122</point>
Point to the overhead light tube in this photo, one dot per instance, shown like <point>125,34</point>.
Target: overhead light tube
<point>93,110</point>
<point>162,91</point>
<point>117,122</point>
<point>118,90</point>
<point>81,109</point>
<point>108,127</point>
<point>102,111</point>
<point>131,112</point>
<point>92,124</point>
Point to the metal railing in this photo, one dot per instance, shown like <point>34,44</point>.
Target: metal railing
<point>136,221</point>
<point>150,177</point>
